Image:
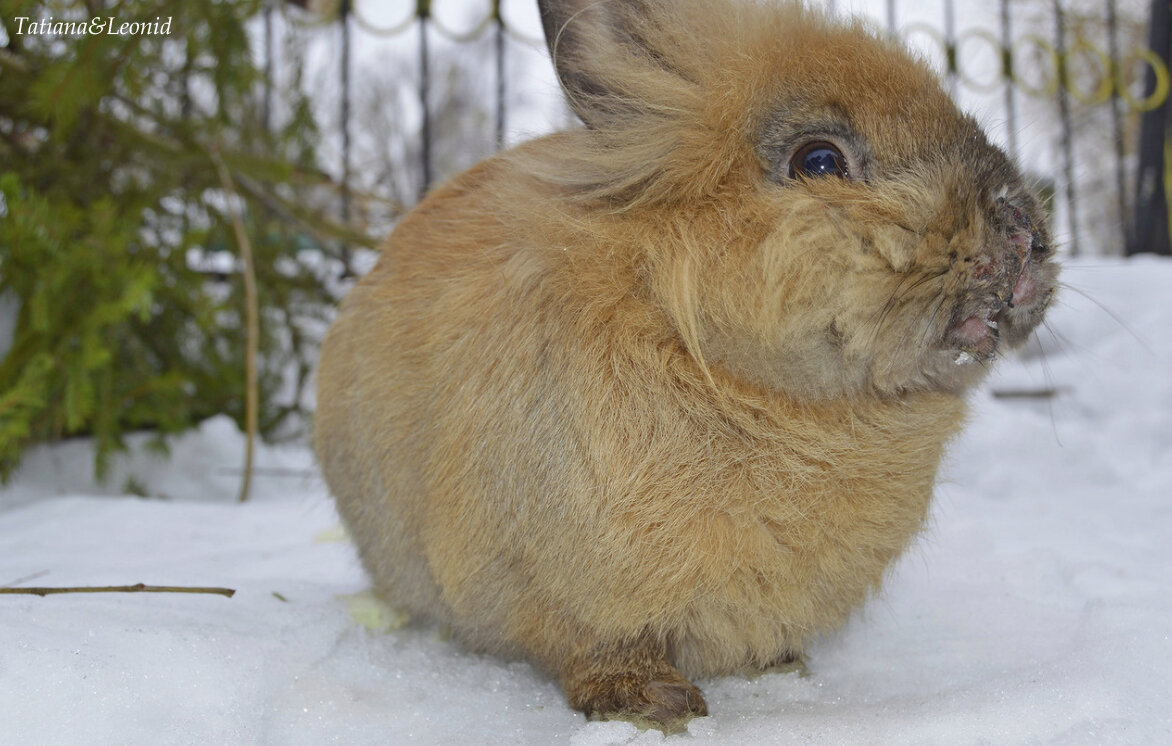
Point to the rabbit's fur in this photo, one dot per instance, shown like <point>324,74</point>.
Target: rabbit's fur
<point>633,402</point>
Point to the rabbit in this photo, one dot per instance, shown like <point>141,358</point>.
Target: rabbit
<point>662,397</point>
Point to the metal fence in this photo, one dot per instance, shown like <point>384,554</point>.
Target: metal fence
<point>1071,82</point>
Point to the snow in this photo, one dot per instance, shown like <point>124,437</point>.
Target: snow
<point>1034,609</point>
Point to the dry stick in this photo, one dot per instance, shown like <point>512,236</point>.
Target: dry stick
<point>1044,393</point>
<point>137,588</point>
<point>251,395</point>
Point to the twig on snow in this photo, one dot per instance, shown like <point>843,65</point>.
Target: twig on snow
<point>136,588</point>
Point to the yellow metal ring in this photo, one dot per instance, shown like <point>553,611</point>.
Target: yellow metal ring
<point>461,37</point>
<point>1047,48</point>
<point>976,85</point>
<point>1103,91</point>
<point>392,30</point>
<point>1159,67</point>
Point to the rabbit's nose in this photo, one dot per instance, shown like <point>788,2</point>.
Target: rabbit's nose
<point>1021,240</point>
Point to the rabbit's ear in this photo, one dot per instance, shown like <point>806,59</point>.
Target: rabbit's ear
<point>586,38</point>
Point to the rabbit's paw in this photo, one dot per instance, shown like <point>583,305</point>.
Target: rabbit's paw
<point>658,694</point>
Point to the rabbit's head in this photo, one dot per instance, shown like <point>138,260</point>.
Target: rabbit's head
<point>815,214</point>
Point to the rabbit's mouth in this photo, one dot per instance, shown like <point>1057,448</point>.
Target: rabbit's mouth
<point>976,337</point>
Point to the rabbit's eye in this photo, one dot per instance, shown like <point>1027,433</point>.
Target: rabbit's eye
<point>818,159</point>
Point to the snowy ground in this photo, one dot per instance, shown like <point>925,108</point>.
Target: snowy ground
<point>1035,609</point>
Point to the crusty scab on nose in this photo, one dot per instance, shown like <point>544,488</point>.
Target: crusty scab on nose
<point>1015,218</point>
<point>1023,232</point>
<point>984,267</point>
<point>1023,236</point>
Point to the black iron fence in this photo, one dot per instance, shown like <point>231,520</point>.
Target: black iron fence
<point>1065,88</point>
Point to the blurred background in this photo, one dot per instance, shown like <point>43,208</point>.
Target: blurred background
<point>181,207</point>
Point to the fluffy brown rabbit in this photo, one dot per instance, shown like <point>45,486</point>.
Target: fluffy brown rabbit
<point>665,396</point>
